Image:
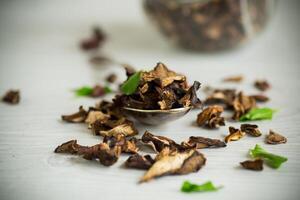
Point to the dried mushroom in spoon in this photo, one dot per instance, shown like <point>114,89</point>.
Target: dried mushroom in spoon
<point>160,89</point>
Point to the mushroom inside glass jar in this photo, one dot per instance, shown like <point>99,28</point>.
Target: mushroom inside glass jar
<point>210,25</point>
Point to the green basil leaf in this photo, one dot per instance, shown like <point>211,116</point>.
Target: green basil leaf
<point>107,90</point>
<point>130,86</point>
<point>272,160</point>
<point>191,187</point>
<point>258,114</point>
<point>84,91</point>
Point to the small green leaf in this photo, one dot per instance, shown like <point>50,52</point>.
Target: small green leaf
<point>191,187</point>
<point>84,91</point>
<point>258,114</point>
<point>130,86</point>
<point>272,160</point>
<point>107,90</point>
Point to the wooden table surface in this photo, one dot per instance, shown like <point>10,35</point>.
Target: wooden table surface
<point>39,55</point>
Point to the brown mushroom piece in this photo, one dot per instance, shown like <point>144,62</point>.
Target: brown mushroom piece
<point>94,116</point>
<point>251,129</point>
<point>236,79</point>
<point>260,98</point>
<point>190,98</point>
<point>234,134</point>
<point>211,117</point>
<point>127,146</point>
<point>103,152</point>
<point>111,78</point>
<point>162,75</point>
<point>108,155</point>
<point>256,165</point>
<point>275,138</point>
<point>158,143</point>
<point>70,147</point>
<point>77,117</point>
<point>202,142</point>
<point>11,97</point>
<point>138,161</point>
<point>220,96</point>
<point>126,129</point>
<point>174,162</point>
<point>242,104</point>
<point>94,41</point>
<point>262,85</point>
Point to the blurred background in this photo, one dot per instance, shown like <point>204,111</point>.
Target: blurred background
<point>40,39</point>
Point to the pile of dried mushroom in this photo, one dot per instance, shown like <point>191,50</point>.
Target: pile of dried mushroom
<point>163,89</point>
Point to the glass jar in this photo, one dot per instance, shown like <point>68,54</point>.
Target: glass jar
<point>210,25</point>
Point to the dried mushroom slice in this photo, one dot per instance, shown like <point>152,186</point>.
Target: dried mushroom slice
<point>70,147</point>
<point>108,156</point>
<point>174,162</point>
<point>236,79</point>
<point>211,117</point>
<point>129,69</point>
<point>94,116</point>
<point>202,142</point>
<point>251,129</point>
<point>94,41</point>
<point>158,143</point>
<point>11,97</point>
<point>256,165</point>
<point>127,146</point>
<point>130,146</point>
<point>103,152</point>
<point>126,129</point>
<point>77,117</point>
<point>168,98</point>
<point>192,164</point>
<point>116,140</point>
<point>139,162</point>
<point>221,96</point>
<point>262,85</point>
<point>111,78</point>
<point>275,138</point>
<point>242,104</point>
<point>162,75</point>
<point>260,98</point>
<point>234,134</point>
<point>190,98</point>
